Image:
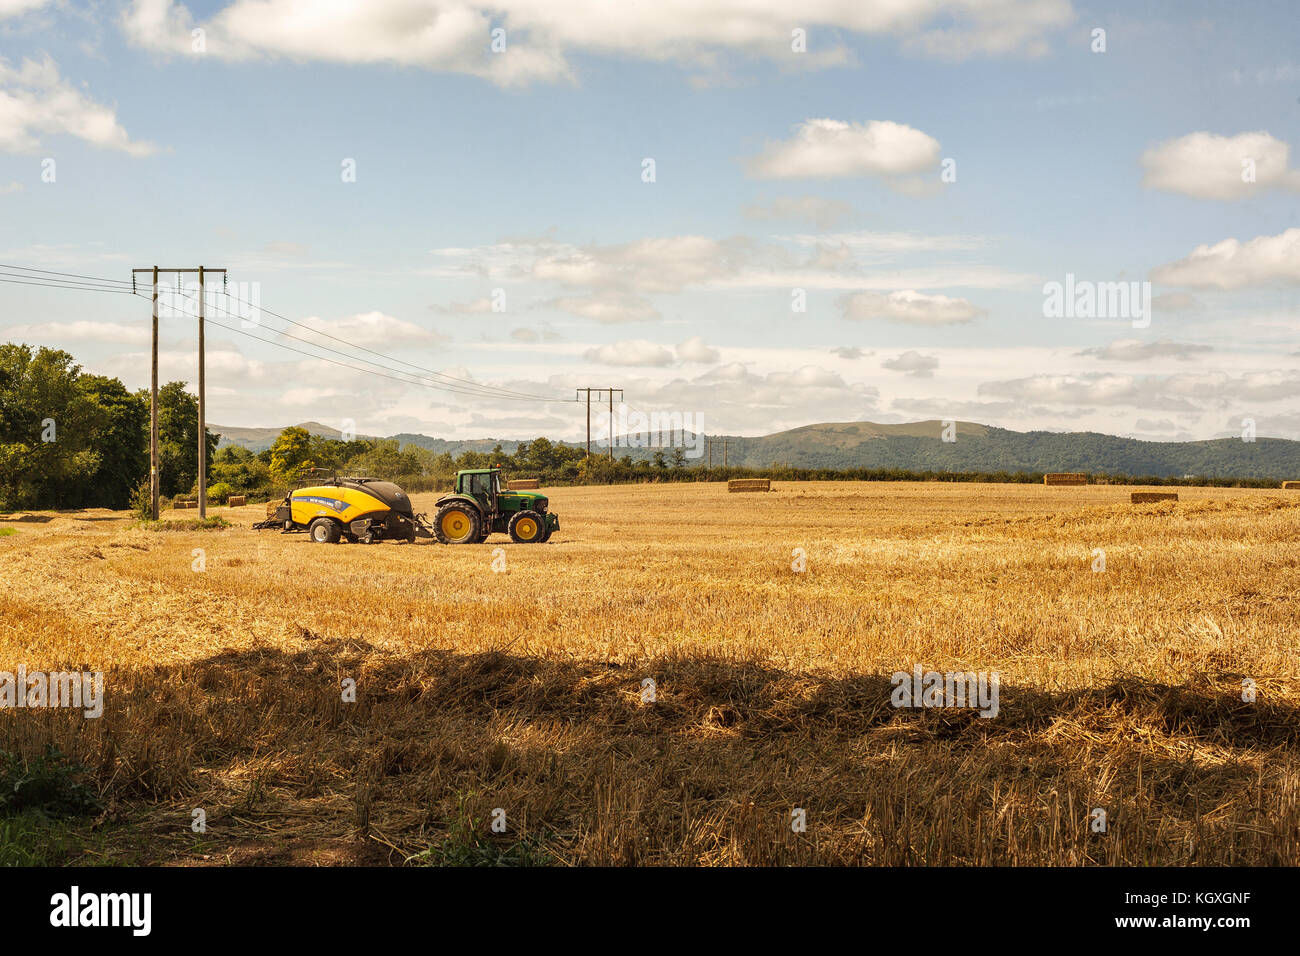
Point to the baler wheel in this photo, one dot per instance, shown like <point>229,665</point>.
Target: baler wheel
<point>324,531</point>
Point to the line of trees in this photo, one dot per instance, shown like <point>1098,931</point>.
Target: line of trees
<point>70,439</point>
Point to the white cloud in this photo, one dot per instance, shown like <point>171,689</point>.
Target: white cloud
<point>36,101</point>
<point>283,247</point>
<point>67,334</point>
<point>632,352</point>
<point>473,307</point>
<point>1137,350</point>
<point>1175,302</point>
<point>615,276</point>
<point>822,213</point>
<point>1208,166</point>
<point>365,327</point>
<point>890,243</point>
<point>453,35</point>
<point>646,265</point>
<point>909,306</point>
<point>1180,392</point>
<point>1150,425</point>
<point>695,350</point>
<point>1233,264</point>
<point>982,28</point>
<point>1286,73</point>
<point>849,352</point>
<point>913,363</point>
<point>1094,389</point>
<point>13,8</point>
<point>607,309</point>
<point>833,149</point>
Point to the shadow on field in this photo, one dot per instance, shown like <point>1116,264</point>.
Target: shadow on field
<point>713,771</point>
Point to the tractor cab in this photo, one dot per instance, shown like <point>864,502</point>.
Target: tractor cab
<point>483,485</point>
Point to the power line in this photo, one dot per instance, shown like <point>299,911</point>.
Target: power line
<point>461,386</point>
<point>390,358</point>
<point>58,285</point>
<point>456,390</point>
<point>74,275</point>
<point>321,358</point>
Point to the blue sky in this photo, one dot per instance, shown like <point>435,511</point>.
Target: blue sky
<point>515,178</point>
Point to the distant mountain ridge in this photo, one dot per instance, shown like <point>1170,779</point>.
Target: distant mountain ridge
<point>919,446</point>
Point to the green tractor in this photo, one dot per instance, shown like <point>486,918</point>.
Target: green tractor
<point>481,505</point>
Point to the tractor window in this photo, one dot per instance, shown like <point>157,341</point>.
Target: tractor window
<point>476,485</point>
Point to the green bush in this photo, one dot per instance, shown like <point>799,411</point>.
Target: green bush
<point>219,492</point>
<point>142,500</point>
<point>48,783</point>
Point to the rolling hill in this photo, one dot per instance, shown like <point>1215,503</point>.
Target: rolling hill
<point>918,446</point>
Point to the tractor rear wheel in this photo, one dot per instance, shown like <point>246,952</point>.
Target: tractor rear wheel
<point>457,523</point>
<point>324,531</point>
<point>527,527</point>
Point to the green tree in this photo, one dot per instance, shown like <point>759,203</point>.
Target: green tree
<point>48,429</point>
<point>122,443</point>
<point>178,439</point>
<point>290,456</point>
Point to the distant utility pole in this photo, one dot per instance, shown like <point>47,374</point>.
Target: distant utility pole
<point>611,414</point>
<point>153,392</point>
<point>709,444</point>
<point>611,419</point>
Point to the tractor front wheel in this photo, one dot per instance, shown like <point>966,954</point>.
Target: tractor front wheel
<point>324,531</point>
<point>457,523</point>
<point>527,527</point>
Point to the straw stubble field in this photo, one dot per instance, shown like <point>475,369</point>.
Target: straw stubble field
<point>522,689</point>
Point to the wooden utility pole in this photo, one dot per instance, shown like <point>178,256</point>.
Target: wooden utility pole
<point>709,444</point>
<point>153,408</point>
<point>611,419</point>
<point>588,391</point>
<point>153,397</point>
<point>611,413</point>
<point>203,419</point>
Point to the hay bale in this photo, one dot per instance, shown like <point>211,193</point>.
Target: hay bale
<point>749,484</point>
<point>1065,478</point>
<point>237,501</point>
<point>1147,497</point>
<point>523,484</point>
<point>182,505</point>
<point>1291,485</point>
